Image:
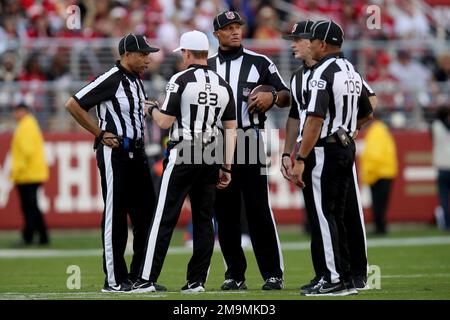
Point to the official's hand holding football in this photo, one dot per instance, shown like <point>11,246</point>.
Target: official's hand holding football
<point>260,102</point>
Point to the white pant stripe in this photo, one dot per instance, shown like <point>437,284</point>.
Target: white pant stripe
<point>109,216</point>
<point>360,209</point>
<point>158,215</point>
<point>324,227</point>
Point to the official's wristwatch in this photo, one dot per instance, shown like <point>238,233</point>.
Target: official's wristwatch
<point>275,96</point>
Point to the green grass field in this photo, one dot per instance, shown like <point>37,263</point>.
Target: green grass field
<point>414,263</point>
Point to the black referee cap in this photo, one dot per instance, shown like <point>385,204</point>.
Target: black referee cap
<point>328,31</point>
<point>135,43</point>
<point>225,18</point>
<point>301,30</point>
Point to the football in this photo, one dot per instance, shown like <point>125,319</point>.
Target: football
<point>260,88</point>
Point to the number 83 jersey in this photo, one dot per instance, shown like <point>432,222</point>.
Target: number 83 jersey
<point>199,99</point>
<point>335,89</point>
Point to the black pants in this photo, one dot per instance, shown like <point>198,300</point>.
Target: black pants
<point>179,180</point>
<point>328,174</point>
<point>127,189</point>
<point>444,194</point>
<point>356,230</point>
<point>380,191</point>
<point>34,220</point>
<point>250,181</point>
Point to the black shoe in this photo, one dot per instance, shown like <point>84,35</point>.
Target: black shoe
<point>360,283</point>
<point>308,287</point>
<point>330,289</point>
<point>125,286</point>
<point>273,284</point>
<point>142,285</point>
<point>194,287</point>
<point>231,284</point>
<point>351,288</point>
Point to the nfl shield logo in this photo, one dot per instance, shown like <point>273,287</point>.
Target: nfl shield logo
<point>230,15</point>
<point>294,28</point>
<point>245,91</point>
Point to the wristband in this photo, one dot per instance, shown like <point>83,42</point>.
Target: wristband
<point>299,158</point>
<point>151,109</point>
<point>225,169</point>
<point>98,139</point>
<point>286,154</point>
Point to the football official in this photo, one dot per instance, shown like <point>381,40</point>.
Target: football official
<point>353,219</point>
<point>325,160</point>
<point>119,96</point>
<point>196,100</point>
<point>244,70</point>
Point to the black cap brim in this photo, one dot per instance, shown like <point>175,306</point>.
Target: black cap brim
<point>292,36</point>
<point>149,49</point>
<point>241,22</point>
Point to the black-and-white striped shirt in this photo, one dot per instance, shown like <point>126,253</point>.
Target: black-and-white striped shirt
<point>198,97</point>
<point>118,96</point>
<point>244,70</point>
<point>334,90</point>
<point>299,96</point>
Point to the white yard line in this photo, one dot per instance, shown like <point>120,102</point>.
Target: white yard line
<point>287,246</point>
<point>99,295</point>
<point>418,275</point>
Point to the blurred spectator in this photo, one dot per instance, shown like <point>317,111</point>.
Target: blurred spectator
<point>413,77</point>
<point>350,19</point>
<point>33,90</point>
<point>267,24</point>
<point>319,8</point>
<point>33,70</point>
<point>59,69</point>
<point>118,20</point>
<point>378,169</point>
<point>9,71</point>
<point>102,24</point>
<point>442,73</point>
<point>410,22</point>
<point>39,26</point>
<point>204,14</point>
<point>29,171</point>
<point>440,131</point>
<point>11,28</point>
<point>168,34</point>
<point>378,73</point>
<point>8,67</point>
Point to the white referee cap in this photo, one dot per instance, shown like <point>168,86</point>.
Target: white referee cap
<point>193,40</point>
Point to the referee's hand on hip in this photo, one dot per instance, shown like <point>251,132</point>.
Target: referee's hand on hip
<point>110,140</point>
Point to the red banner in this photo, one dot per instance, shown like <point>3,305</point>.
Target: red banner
<point>72,196</point>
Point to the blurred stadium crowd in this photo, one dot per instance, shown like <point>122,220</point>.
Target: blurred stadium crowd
<point>406,57</point>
